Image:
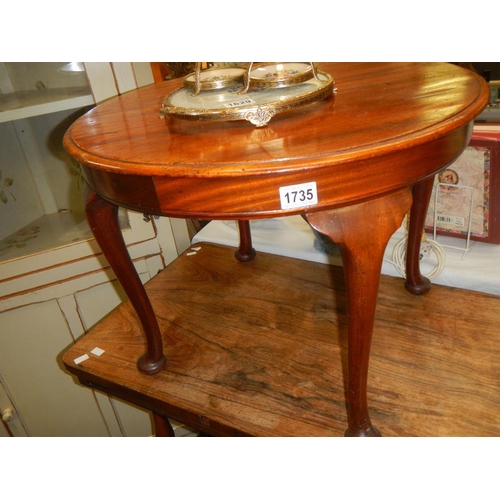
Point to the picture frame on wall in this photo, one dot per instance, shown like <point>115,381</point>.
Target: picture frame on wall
<point>466,195</point>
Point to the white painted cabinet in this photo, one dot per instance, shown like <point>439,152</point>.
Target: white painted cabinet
<point>54,282</point>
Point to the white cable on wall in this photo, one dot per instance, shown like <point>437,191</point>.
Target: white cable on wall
<point>427,249</point>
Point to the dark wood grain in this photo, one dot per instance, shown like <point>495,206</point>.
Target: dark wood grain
<point>260,348</point>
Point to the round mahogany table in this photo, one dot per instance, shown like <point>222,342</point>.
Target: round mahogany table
<point>370,151</point>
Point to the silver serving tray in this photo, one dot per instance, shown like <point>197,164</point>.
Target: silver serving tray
<point>255,106</point>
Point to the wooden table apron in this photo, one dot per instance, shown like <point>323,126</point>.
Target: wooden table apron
<point>372,149</point>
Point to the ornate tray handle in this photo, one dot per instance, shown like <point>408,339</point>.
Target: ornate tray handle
<point>260,116</point>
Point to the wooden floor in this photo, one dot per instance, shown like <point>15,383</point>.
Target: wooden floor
<point>260,348</point>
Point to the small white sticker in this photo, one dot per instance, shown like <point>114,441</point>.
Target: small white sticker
<point>81,358</point>
<point>454,220</point>
<point>97,351</point>
<point>241,102</point>
<point>191,253</point>
<point>299,195</point>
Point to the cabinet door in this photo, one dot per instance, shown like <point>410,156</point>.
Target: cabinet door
<point>32,339</point>
<point>11,424</point>
<point>93,304</point>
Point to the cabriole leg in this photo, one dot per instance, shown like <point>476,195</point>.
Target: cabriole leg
<point>361,233</point>
<point>103,220</point>
<point>245,250</point>
<point>416,283</point>
<point>162,426</point>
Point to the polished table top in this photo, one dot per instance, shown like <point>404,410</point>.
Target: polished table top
<point>233,169</point>
<point>366,155</point>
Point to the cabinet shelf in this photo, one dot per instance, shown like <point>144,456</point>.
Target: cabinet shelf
<point>48,233</point>
<point>490,114</point>
<point>44,234</point>
<point>28,103</point>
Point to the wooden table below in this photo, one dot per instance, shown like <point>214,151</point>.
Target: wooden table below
<point>260,348</point>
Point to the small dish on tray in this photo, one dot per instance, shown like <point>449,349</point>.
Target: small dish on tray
<point>214,79</point>
<point>279,75</point>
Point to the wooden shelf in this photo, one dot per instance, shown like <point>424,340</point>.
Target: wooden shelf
<point>24,104</point>
<point>259,348</point>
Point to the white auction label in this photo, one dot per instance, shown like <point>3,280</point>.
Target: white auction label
<point>241,102</point>
<point>300,195</point>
